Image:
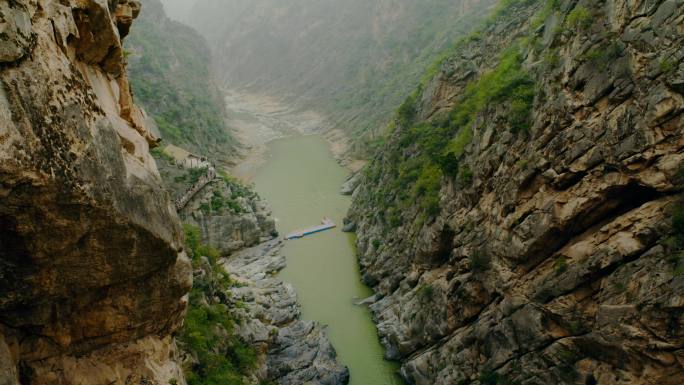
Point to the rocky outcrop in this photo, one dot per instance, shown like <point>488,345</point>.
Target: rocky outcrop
<point>93,275</point>
<point>351,184</point>
<point>230,216</point>
<point>547,255</point>
<point>297,351</point>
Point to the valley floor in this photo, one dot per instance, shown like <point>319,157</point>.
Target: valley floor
<point>258,119</point>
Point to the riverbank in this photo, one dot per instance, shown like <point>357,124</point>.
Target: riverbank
<point>257,120</point>
<point>297,351</point>
<point>301,181</point>
<point>231,220</point>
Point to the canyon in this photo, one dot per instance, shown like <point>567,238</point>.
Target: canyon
<point>518,219</point>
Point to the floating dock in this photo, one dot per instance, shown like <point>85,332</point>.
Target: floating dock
<point>326,224</point>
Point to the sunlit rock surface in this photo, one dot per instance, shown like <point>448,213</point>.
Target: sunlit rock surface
<point>93,276</point>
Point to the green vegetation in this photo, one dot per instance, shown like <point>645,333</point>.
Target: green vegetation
<point>493,378</point>
<point>465,176</point>
<point>193,243</point>
<point>224,197</point>
<point>170,78</point>
<point>679,176</point>
<point>667,65</point>
<point>479,261</point>
<point>550,7</point>
<point>579,18</point>
<point>551,60</point>
<point>561,265</point>
<point>159,153</point>
<point>576,327</point>
<point>432,151</point>
<point>676,245</point>
<point>394,218</point>
<point>426,292</point>
<point>603,56</point>
<point>505,7</point>
<point>194,174</point>
<point>222,357</point>
<point>678,223</point>
<point>407,111</point>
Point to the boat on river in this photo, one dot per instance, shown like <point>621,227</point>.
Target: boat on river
<point>326,224</point>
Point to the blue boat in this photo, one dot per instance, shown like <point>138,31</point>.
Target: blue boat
<point>326,224</point>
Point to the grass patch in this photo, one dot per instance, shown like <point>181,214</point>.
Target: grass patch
<point>159,153</point>
<point>426,292</point>
<point>603,56</point>
<point>561,265</point>
<point>667,65</point>
<point>431,151</point>
<point>579,18</point>
<point>493,378</point>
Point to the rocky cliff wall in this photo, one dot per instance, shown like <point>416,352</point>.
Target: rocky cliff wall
<point>517,225</point>
<point>230,216</point>
<point>93,276</point>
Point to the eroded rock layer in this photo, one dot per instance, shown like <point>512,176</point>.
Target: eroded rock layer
<point>93,276</point>
<point>296,351</point>
<point>547,255</point>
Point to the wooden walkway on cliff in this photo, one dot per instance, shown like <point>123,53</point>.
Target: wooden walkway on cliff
<point>195,188</point>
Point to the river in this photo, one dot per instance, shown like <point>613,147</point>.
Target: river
<point>301,181</point>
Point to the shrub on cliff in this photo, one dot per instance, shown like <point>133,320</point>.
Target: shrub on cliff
<point>218,355</point>
<point>579,18</point>
<point>480,261</point>
<point>430,151</point>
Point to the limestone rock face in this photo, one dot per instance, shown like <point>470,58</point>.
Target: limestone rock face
<point>15,31</point>
<point>247,224</point>
<point>93,275</point>
<point>552,263</point>
<point>296,351</point>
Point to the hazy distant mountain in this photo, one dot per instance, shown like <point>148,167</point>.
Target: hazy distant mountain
<point>178,9</point>
<point>169,66</point>
<point>354,60</point>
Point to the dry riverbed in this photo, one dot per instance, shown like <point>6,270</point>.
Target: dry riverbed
<point>257,120</point>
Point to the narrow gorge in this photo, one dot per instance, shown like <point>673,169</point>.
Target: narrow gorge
<point>505,179</point>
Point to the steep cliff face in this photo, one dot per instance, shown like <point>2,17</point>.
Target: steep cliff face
<point>93,276</point>
<point>170,69</point>
<point>517,224</point>
<point>230,216</point>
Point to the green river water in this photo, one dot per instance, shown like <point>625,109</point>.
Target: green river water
<point>301,181</point>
